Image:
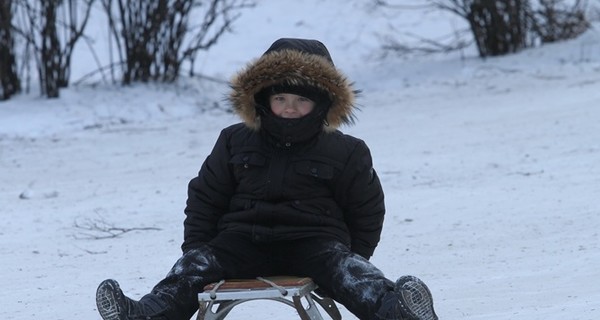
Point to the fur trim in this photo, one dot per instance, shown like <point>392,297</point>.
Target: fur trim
<point>294,68</point>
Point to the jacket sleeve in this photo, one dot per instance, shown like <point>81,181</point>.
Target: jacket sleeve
<point>363,201</point>
<point>208,196</point>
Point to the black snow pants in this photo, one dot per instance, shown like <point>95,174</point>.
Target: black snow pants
<point>343,275</point>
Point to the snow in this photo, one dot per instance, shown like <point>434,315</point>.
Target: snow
<point>490,168</point>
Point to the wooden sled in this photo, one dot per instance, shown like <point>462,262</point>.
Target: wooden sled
<point>219,298</point>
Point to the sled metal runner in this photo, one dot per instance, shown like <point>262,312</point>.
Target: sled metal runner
<point>219,298</point>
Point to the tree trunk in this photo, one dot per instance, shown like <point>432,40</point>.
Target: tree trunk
<point>50,68</point>
<point>9,79</point>
<point>499,27</point>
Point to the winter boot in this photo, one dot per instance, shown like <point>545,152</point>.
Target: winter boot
<point>113,305</point>
<point>410,300</point>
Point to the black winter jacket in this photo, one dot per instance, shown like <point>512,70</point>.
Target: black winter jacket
<point>255,184</point>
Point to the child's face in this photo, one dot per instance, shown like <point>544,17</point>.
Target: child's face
<point>287,105</point>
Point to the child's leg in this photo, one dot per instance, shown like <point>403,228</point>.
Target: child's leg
<point>227,256</point>
<point>176,296</point>
<point>347,277</point>
<point>356,283</point>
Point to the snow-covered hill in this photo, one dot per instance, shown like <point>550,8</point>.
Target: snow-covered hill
<point>491,170</point>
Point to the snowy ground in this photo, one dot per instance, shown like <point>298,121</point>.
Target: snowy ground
<point>491,172</point>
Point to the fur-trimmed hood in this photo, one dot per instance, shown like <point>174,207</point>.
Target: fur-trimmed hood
<point>297,62</point>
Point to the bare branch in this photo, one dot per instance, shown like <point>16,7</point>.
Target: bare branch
<point>99,228</point>
<point>427,46</point>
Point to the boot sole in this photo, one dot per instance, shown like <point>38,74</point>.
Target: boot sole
<point>416,301</point>
<point>107,297</point>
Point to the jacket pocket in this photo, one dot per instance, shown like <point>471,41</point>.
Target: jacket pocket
<point>249,169</point>
<point>246,160</point>
<point>315,169</point>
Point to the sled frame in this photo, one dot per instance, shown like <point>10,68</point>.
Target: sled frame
<point>219,298</point>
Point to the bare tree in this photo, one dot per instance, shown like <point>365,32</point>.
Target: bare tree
<point>498,27</point>
<point>555,20</point>
<point>51,28</point>
<point>9,79</point>
<point>154,38</point>
<point>501,27</point>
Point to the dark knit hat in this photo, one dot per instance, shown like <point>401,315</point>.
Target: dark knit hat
<point>319,97</point>
<point>309,46</point>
